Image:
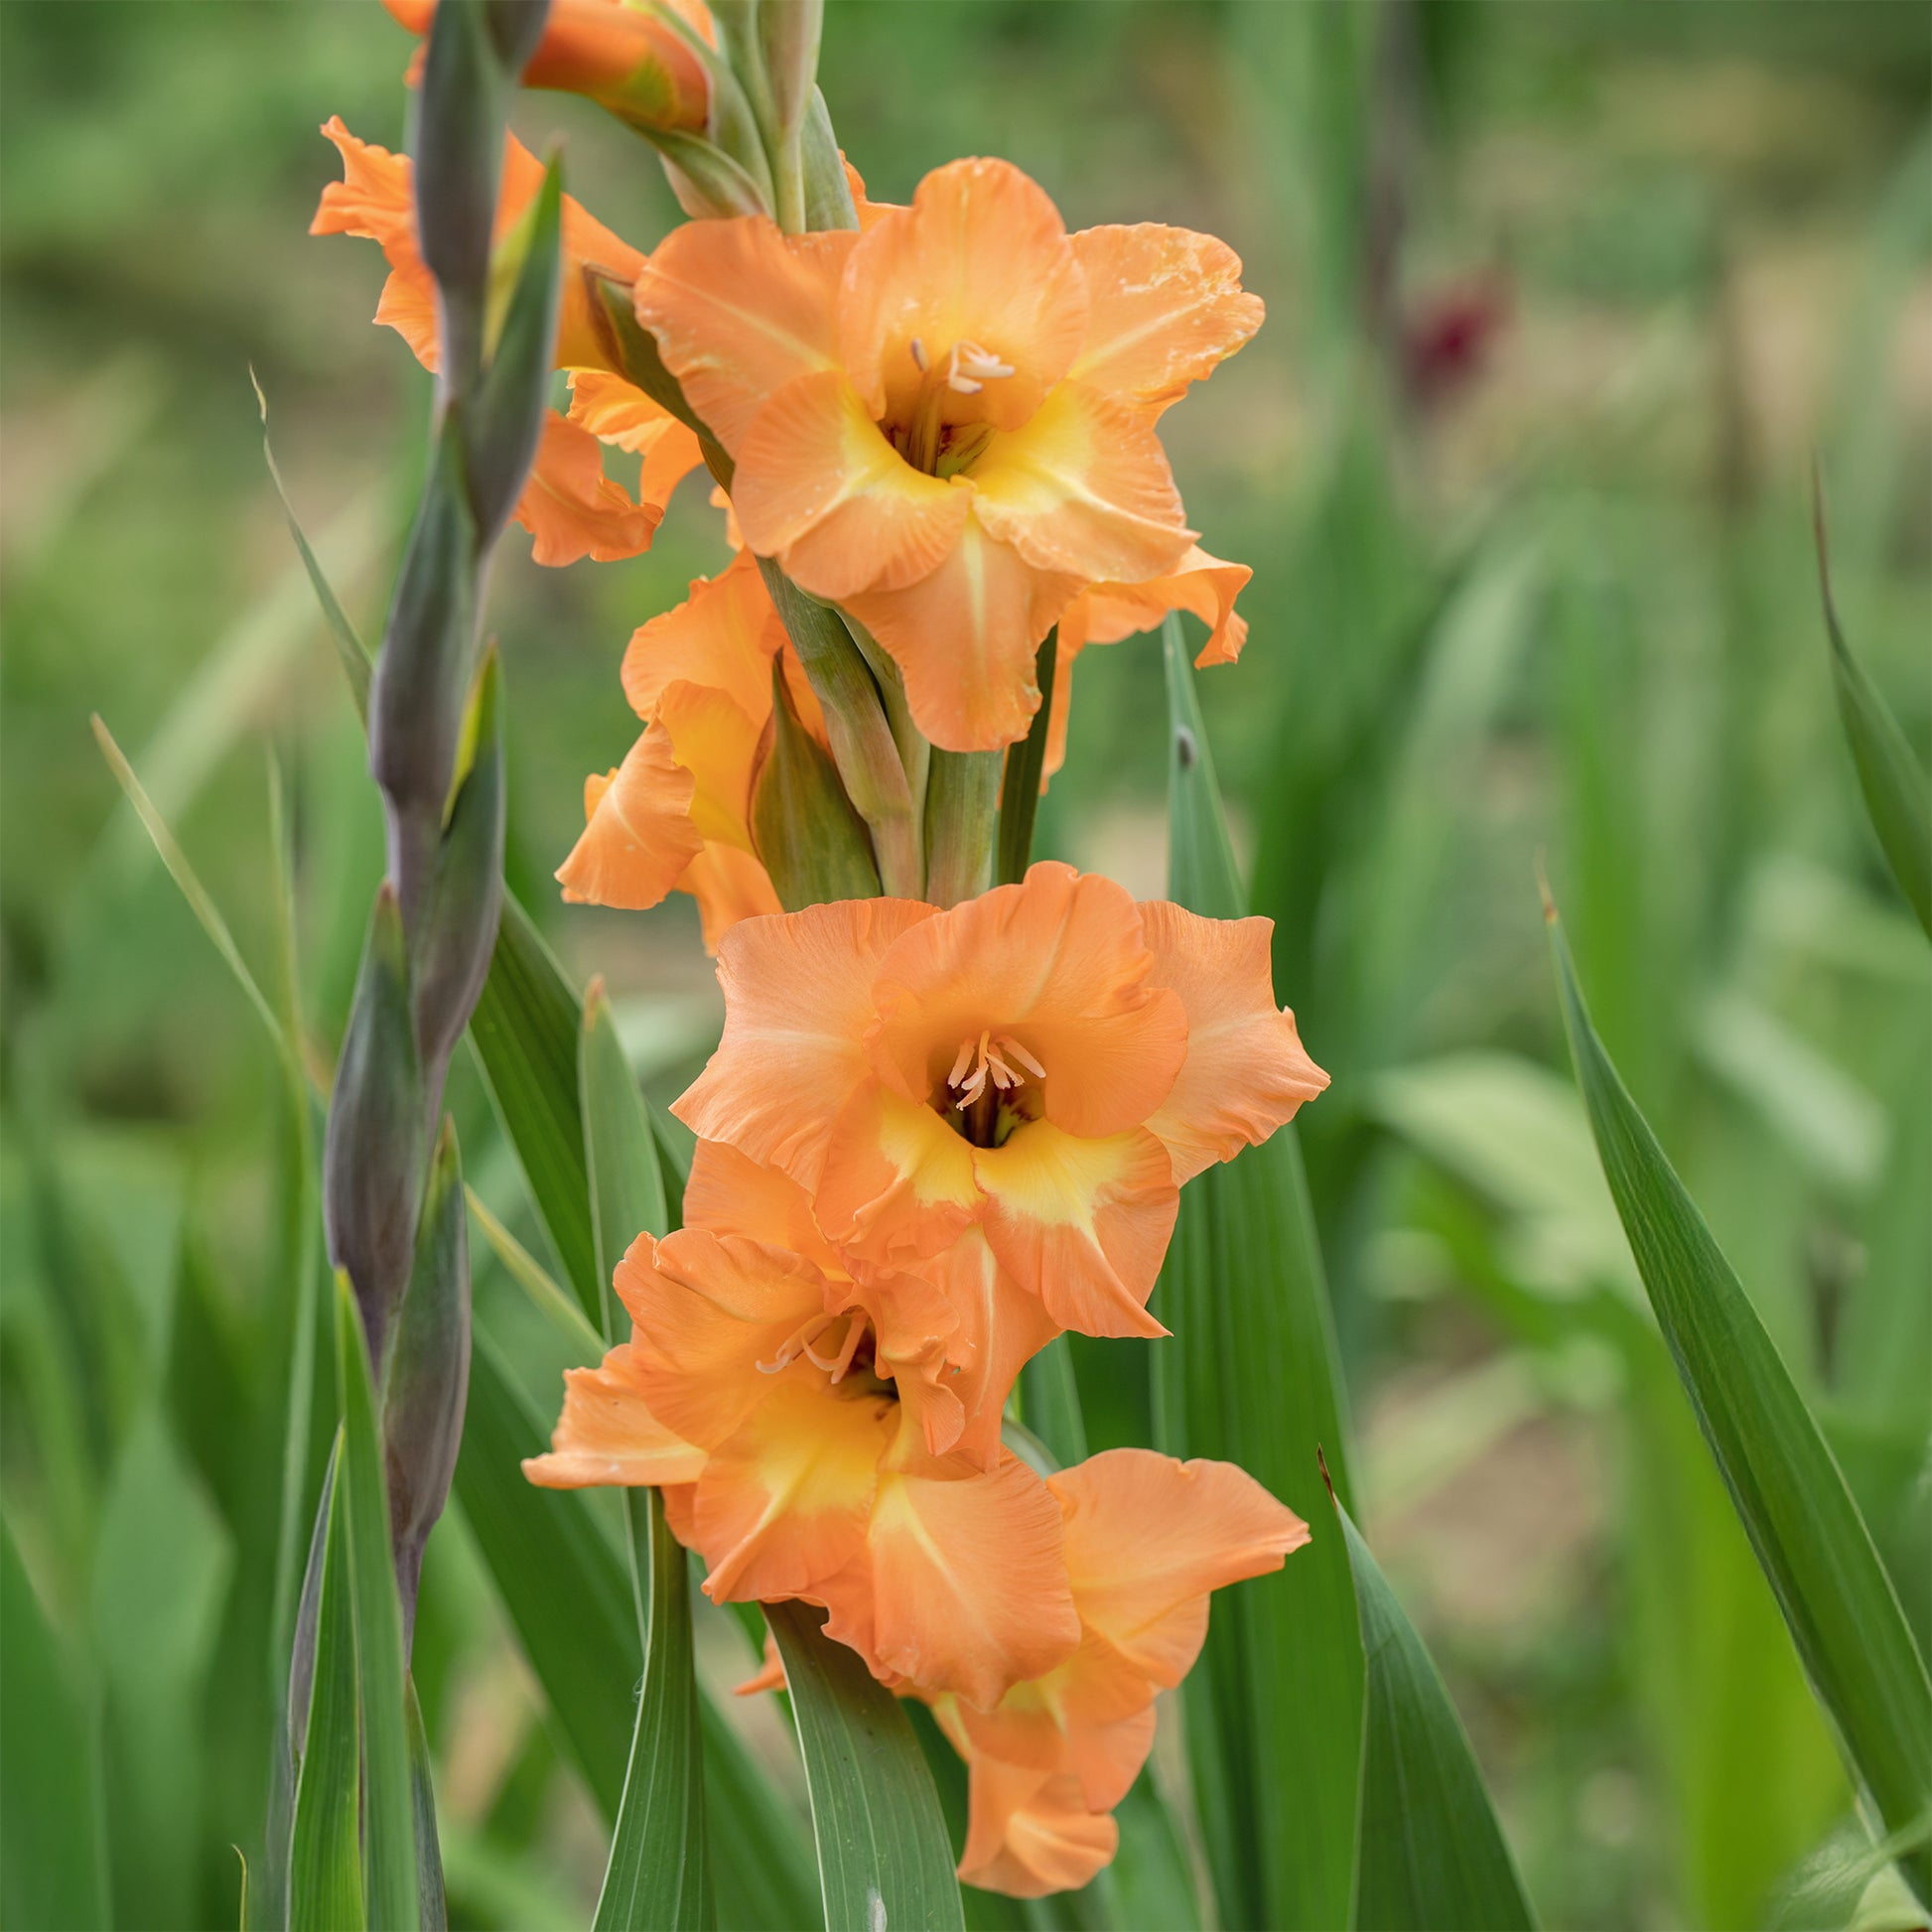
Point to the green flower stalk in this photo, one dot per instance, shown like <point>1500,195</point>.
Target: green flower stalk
<point>391,1182</point>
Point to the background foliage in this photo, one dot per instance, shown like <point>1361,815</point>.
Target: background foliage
<point>1562,299</point>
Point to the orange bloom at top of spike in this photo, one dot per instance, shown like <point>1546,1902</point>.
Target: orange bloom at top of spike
<point>1038,1070</point>
<point>947,423</point>
<point>628,59</point>
<point>570,507</point>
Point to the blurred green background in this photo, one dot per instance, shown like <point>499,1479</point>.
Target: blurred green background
<point>1562,298</point>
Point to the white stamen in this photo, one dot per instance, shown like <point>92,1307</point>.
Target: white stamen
<point>973,368</point>
<point>1025,1059</point>
<point>988,1058</point>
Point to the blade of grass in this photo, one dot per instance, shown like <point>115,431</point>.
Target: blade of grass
<point>390,1811</point>
<point>1274,1708</point>
<point>1897,797</point>
<point>882,1854</point>
<point>350,648</point>
<point>536,1281</point>
<point>1810,1540</point>
<point>432,1902</point>
<point>1433,1858</point>
<point>325,1860</point>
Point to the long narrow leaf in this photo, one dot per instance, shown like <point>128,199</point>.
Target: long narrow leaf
<point>1274,1706</point>
<point>432,1903</point>
<point>1019,786</point>
<point>1897,797</point>
<point>1810,1539</point>
<point>524,1030</point>
<point>325,1860</point>
<point>562,1581</point>
<point>882,1855</point>
<point>389,1807</point>
<point>658,1873</point>
<point>1433,1858</point>
<point>53,1851</point>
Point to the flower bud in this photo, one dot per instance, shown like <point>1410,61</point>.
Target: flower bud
<point>466,895</point>
<point>427,1376</point>
<point>810,840</point>
<point>506,415</point>
<point>422,674</point>
<point>372,1157</point>
<point>632,60</point>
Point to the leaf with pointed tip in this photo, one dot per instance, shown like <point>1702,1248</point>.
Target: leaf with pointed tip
<point>1433,1858</point>
<point>882,1854</point>
<point>1810,1540</point>
<point>1275,1705</point>
<point>1897,799</point>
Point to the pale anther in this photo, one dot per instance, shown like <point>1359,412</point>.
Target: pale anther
<point>919,354</point>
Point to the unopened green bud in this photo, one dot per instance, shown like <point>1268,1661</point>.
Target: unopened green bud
<point>458,927</point>
<point>427,1375</point>
<point>506,416</point>
<point>372,1155</point>
<point>810,840</point>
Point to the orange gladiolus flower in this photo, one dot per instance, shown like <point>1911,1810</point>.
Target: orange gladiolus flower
<point>947,423</point>
<point>787,1413</point>
<point>676,814</point>
<point>1147,1538</point>
<point>569,506</point>
<point>1038,1070</point>
<point>628,59</point>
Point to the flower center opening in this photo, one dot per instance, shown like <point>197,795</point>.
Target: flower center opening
<point>984,1085</point>
<point>928,442</point>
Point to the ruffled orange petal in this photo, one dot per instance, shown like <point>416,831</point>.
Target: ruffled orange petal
<point>1083,488</point>
<point>1055,963</point>
<point>819,488</point>
<point>725,634</point>
<point>616,412</point>
<point>709,1310</point>
<point>1029,1833</point>
<point>726,1193</point>
<point>1082,1224</point>
<point>729,886</point>
<point>797,1003</point>
<point>980,258</point>
<point>965,637</point>
<point>573,509</point>
<point>783,1504</point>
<point>376,200</point>
<point>999,1327</point>
<point>608,1434</point>
<point>638,838</point>
<point>1246,1072</point>
<point>969,1586</point>
<point>1167,306</point>
<point>1148,1538</point>
<point>898,1181</point>
<point>739,310</point>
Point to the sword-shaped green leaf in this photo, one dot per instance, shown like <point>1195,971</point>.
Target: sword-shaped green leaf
<point>884,1860</point>
<point>389,1808</point>
<point>1275,1705</point>
<point>1433,1858</point>
<point>326,1860</point>
<point>1897,799</point>
<point>1814,1547</point>
<point>658,1872</point>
